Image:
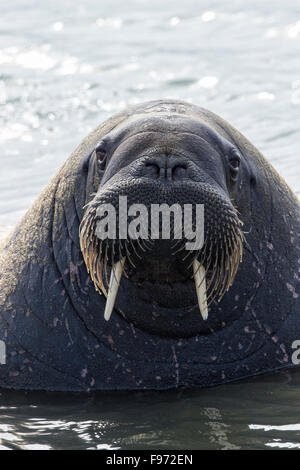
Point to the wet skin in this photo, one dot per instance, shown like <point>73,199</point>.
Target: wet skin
<point>52,315</point>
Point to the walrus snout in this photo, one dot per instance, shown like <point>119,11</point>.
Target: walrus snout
<point>145,257</point>
<point>166,168</point>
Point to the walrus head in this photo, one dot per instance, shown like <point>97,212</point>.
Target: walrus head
<point>174,162</point>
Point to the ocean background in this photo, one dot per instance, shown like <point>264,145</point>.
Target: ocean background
<point>66,66</point>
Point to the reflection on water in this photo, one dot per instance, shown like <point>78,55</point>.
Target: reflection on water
<point>248,415</point>
<point>66,66</point>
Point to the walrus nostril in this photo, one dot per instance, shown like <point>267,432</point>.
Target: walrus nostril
<point>166,168</point>
<point>179,171</point>
<point>152,169</point>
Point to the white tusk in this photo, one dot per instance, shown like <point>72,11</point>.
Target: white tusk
<point>115,278</point>
<point>200,282</point>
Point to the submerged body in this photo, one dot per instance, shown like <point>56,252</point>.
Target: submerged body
<point>52,279</point>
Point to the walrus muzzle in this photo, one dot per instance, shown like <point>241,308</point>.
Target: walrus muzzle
<point>149,262</point>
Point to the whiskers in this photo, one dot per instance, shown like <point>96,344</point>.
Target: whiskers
<point>100,254</point>
<point>220,255</point>
<point>222,260</point>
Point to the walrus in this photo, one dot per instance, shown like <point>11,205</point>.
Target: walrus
<point>81,313</point>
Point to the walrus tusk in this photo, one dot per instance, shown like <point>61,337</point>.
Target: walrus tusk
<point>115,277</point>
<point>200,282</point>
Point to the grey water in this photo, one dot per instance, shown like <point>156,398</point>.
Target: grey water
<point>64,67</point>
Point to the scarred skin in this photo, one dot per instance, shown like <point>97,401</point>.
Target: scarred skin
<point>51,317</point>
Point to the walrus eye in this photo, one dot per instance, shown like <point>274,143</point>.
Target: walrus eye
<point>101,156</point>
<point>234,162</point>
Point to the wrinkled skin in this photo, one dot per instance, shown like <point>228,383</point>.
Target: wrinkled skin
<point>51,316</point>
